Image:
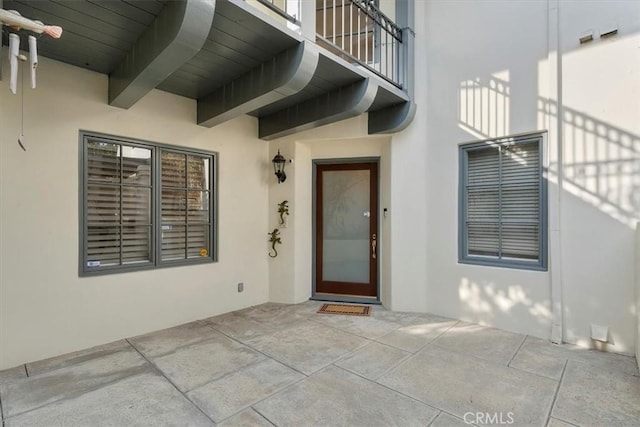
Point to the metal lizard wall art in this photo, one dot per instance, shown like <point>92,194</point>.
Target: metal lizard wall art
<point>274,240</point>
<point>283,209</point>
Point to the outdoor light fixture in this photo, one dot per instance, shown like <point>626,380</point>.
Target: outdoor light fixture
<point>278,167</point>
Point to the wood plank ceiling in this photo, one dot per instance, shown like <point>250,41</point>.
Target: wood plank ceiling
<point>243,63</point>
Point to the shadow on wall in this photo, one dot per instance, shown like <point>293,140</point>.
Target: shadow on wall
<point>484,106</point>
<point>600,174</point>
<point>485,303</point>
<point>601,162</point>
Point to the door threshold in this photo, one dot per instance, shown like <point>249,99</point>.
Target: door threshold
<point>345,298</point>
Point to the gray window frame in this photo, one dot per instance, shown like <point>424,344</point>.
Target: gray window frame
<point>463,256</point>
<point>156,191</point>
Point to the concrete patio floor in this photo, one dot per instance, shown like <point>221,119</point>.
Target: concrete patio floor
<point>288,366</point>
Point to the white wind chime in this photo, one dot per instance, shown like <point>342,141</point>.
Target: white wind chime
<point>15,23</point>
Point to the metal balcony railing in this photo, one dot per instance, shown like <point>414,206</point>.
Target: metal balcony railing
<point>359,32</point>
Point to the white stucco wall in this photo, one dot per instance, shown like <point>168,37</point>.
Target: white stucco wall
<point>489,71</point>
<point>45,308</point>
<point>408,208</point>
<point>462,54</point>
<point>601,168</point>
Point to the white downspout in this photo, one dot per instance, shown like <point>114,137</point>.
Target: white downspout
<point>554,125</point>
<point>637,281</point>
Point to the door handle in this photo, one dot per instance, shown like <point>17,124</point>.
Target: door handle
<point>374,245</point>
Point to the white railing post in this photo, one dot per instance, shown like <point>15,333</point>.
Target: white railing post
<point>405,19</point>
<point>308,19</point>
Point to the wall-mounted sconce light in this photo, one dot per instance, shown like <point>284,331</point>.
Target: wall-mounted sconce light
<point>278,167</point>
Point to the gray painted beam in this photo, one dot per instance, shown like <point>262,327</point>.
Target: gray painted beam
<point>343,103</point>
<point>282,76</point>
<point>177,34</point>
<point>391,119</point>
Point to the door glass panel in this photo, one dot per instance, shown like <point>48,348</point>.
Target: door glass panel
<point>345,216</point>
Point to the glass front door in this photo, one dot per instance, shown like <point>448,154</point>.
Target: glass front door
<point>346,229</point>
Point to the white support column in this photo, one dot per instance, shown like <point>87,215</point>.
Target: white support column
<point>308,19</point>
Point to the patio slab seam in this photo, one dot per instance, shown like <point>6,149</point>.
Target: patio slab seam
<point>430,341</point>
<point>258,414</point>
<point>263,415</point>
<point>275,393</point>
<point>321,367</point>
<point>257,351</point>
<point>352,333</point>
<point>347,355</point>
<point>76,358</point>
<point>218,327</point>
<point>383,386</point>
<point>451,415</point>
<point>493,362</point>
<point>513,356</point>
<point>555,396</point>
<point>564,421</point>
<point>589,393</point>
<point>318,369</point>
<point>329,370</point>
<point>75,395</point>
<point>159,371</point>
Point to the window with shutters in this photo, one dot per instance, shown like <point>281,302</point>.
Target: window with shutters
<point>144,205</point>
<point>503,204</point>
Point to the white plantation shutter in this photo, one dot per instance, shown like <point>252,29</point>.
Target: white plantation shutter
<point>483,205</point>
<point>185,206</point>
<point>144,205</point>
<point>520,201</point>
<point>118,204</point>
<point>173,205</point>
<point>502,198</point>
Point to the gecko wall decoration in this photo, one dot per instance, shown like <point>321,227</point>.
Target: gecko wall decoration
<point>274,239</point>
<point>283,209</point>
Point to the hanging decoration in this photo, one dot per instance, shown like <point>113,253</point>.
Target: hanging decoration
<point>21,137</point>
<point>14,23</point>
<point>14,20</point>
<point>14,52</point>
<point>33,59</point>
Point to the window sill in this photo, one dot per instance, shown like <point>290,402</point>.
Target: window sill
<point>514,265</point>
<point>144,267</point>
